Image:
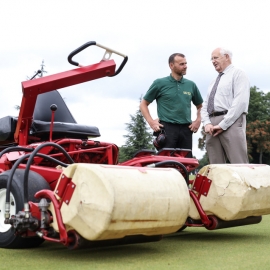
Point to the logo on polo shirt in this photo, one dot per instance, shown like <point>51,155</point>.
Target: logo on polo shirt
<point>186,93</point>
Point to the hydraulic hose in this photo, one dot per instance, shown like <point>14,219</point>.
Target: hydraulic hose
<point>12,171</point>
<point>168,162</point>
<point>29,162</point>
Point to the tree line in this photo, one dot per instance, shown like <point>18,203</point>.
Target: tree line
<point>139,135</point>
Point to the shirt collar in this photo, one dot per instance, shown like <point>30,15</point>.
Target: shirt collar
<point>172,79</point>
<point>227,69</point>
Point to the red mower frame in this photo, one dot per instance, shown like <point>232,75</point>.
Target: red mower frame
<point>32,148</point>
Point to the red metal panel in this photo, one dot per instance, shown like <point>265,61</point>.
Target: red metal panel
<point>64,79</point>
<point>61,188</point>
<point>202,185</point>
<point>14,155</point>
<point>68,192</point>
<point>65,189</point>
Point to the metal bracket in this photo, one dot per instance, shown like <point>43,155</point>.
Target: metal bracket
<point>201,185</point>
<point>65,189</point>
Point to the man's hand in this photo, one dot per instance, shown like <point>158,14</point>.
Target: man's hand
<point>208,129</point>
<point>217,130</point>
<point>155,125</point>
<point>195,126</point>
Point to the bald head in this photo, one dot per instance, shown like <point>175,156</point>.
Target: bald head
<point>221,58</point>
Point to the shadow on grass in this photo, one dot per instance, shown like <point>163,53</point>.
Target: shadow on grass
<point>219,235</point>
<point>102,254</point>
<point>178,240</point>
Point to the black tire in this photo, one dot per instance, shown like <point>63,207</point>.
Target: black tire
<point>35,183</point>
<point>182,228</point>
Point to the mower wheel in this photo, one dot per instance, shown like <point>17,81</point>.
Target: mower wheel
<point>8,238</point>
<point>182,228</point>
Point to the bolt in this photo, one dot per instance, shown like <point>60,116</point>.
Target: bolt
<point>63,176</point>
<point>56,191</point>
<point>66,201</point>
<point>204,193</point>
<point>72,186</point>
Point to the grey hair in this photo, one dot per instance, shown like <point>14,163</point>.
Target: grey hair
<point>225,51</point>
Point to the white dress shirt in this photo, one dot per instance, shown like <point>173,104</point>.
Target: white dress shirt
<point>232,95</point>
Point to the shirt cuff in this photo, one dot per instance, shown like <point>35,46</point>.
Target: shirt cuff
<point>223,125</point>
<point>206,122</point>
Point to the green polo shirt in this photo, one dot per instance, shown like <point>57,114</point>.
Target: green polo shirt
<point>174,99</point>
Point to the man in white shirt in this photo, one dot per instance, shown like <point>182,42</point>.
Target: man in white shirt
<point>224,111</point>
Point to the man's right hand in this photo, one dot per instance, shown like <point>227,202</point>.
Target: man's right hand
<point>209,129</point>
<point>154,124</point>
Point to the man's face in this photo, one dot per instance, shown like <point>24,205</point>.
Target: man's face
<point>179,66</point>
<point>220,61</point>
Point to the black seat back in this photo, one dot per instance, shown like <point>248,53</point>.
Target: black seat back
<point>43,112</point>
<point>7,128</point>
<point>64,123</point>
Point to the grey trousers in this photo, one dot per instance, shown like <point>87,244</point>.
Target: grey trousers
<point>231,143</point>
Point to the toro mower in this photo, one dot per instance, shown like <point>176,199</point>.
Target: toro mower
<point>59,183</point>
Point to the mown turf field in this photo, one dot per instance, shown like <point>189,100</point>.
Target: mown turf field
<point>246,247</point>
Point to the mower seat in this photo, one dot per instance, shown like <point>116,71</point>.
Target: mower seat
<point>41,129</point>
<point>7,128</point>
<point>65,126</point>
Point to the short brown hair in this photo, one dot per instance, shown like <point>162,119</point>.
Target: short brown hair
<point>171,58</point>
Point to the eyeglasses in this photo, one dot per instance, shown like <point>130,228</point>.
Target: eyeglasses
<point>217,57</point>
<point>214,58</point>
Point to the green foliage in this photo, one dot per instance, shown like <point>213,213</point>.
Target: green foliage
<point>259,105</point>
<point>138,137</point>
<point>258,126</point>
<point>202,146</point>
<point>258,137</point>
<point>201,141</point>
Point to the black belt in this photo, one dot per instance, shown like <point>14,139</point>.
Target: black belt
<point>217,113</point>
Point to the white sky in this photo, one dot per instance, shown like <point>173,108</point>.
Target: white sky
<point>147,31</point>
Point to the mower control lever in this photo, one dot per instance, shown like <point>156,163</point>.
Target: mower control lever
<point>106,56</point>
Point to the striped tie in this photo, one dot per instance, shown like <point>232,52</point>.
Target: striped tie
<point>210,107</point>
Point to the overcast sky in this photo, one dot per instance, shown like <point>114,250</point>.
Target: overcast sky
<point>147,31</point>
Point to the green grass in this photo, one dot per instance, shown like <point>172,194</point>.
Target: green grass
<point>246,247</point>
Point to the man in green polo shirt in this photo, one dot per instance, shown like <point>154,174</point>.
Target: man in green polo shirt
<point>174,95</point>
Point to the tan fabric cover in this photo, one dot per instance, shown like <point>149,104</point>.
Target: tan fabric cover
<point>236,192</point>
<point>114,201</point>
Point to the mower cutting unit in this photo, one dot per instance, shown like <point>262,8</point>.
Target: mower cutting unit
<point>59,184</point>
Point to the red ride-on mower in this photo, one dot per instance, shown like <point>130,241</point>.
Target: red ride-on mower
<point>59,184</point>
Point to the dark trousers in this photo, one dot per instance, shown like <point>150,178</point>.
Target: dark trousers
<point>178,136</point>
